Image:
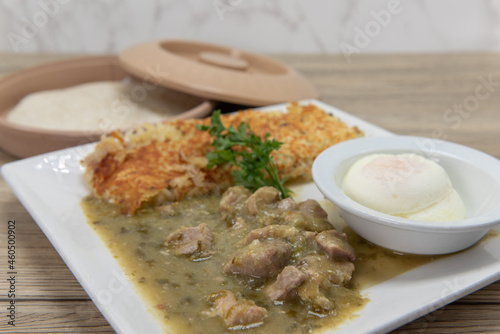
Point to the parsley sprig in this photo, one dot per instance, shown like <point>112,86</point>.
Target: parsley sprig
<point>243,148</point>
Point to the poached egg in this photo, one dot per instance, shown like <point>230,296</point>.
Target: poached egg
<point>404,185</point>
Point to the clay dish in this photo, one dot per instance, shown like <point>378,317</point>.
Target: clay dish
<point>24,141</point>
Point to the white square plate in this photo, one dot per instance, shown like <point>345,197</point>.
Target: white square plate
<point>51,186</point>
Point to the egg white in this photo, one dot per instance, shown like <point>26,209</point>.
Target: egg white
<point>396,184</point>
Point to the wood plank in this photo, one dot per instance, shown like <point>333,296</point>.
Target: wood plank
<point>457,318</point>
<point>56,316</point>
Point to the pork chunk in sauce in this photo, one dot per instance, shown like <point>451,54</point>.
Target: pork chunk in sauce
<point>260,259</point>
<point>262,197</point>
<point>237,313</point>
<point>195,241</point>
<point>335,244</point>
<point>232,200</point>
<point>286,284</point>
<point>272,232</point>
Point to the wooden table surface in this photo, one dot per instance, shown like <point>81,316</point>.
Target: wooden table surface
<point>425,95</point>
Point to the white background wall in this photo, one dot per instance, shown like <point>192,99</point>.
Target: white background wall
<point>267,26</point>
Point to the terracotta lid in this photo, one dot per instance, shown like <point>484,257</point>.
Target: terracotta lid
<point>216,72</point>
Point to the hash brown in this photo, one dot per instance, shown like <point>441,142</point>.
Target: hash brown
<point>166,161</point>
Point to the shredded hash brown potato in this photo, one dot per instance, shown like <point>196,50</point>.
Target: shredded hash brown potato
<point>166,161</point>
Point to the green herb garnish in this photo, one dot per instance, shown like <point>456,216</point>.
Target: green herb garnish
<point>243,148</point>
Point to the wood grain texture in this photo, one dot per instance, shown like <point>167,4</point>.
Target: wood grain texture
<point>406,94</point>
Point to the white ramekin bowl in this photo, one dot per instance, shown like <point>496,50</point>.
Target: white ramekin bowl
<point>474,174</point>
